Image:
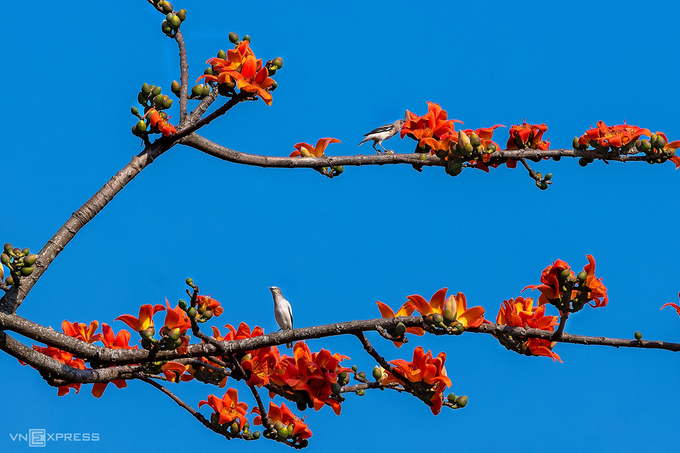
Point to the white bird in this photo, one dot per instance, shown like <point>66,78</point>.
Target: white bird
<point>282,311</point>
<point>382,133</point>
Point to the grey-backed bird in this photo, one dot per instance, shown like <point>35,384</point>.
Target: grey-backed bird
<point>282,311</point>
<point>378,135</point>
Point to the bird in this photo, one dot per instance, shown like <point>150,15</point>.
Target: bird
<point>282,311</point>
<point>382,133</point>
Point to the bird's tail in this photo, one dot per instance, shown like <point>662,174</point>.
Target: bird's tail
<point>363,141</point>
<point>289,345</point>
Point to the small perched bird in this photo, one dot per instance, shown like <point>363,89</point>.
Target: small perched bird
<point>382,133</point>
<point>282,311</point>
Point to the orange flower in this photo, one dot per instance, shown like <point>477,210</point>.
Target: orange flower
<point>67,359</point>
<point>261,363</point>
<point>160,123</point>
<point>676,306</point>
<point>145,319</point>
<point>112,341</point>
<point>235,59</point>
<point>557,274</point>
<point>176,318</point>
<point>520,312</point>
<point>596,290</point>
<point>406,310</point>
<point>228,408</point>
<point>81,331</point>
<point>528,136</point>
<point>426,371</point>
<point>473,317</point>
<point>311,373</point>
<point>433,124</point>
<point>174,371</point>
<point>208,303</point>
<point>615,136</point>
<point>307,150</point>
<point>284,415</point>
<point>253,78</point>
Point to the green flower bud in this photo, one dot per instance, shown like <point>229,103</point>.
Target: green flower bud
<point>175,334</point>
<point>454,168</point>
<point>140,127</point>
<point>361,375</point>
<point>182,304</point>
<point>273,86</point>
<point>26,271</point>
<point>9,281</point>
<point>4,258</point>
<point>134,110</point>
<point>182,14</point>
<point>141,99</point>
<point>191,312</point>
<point>462,401</point>
<point>377,373</point>
<point>207,314</point>
<point>565,274</point>
<point>400,330</point>
<point>234,428</point>
<point>197,90</point>
<point>256,435</point>
<point>246,38</point>
<point>167,102</point>
<point>449,317</point>
<point>659,143</point>
<point>355,368</point>
<point>338,170</point>
<point>30,260</point>
<point>437,318</point>
<point>158,100</point>
<point>206,90</point>
<point>233,37</point>
<point>361,392</point>
<point>491,148</point>
<point>548,177</point>
<point>169,16</point>
<point>189,281</point>
<point>575,144</point>
<point>638,336</point>
<point>475,141</point>
<point>271,70</point>
<point>156,91</point>
<point>645,146</point>
<point>175,87</point>
<point>167,6</point>
<point>146,89</point>
<point>543,185</point>
<point>175,22</point>
<point>165,27</point>
<point>278,62</point>
<point>458,328</point>
<point>222,54</point>
<point>16,251</point>
<point>342,376</point>
<point>2,273</point>
<point>582,276</point>
<point>452,398</point>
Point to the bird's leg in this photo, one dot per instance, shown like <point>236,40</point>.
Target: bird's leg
<point>387,151</point>
<point>376,149</point>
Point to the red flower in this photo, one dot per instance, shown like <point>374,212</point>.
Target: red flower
<point>426,371</point>
<point>473,317</point>
<point>433,124</point>
<point>596,290</point>
<point>145,319</point>
<point>235,58</point>
<point>160,123</point>
<point>112,341</point>
<point>228,409</point>
<point>671,304</point>
<point>520,312</point>
<point>176,318</point>
<point>261,363</point>
<point>528,136</point>
<point>311,373</point>
<point>616,136</point>
<point>207,303</point>
<point>405,310</point>
<point>67,359</point>
<point>307,150</point>
<point>81,331</point>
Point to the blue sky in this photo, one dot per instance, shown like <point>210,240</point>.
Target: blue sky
<point>336,246</point>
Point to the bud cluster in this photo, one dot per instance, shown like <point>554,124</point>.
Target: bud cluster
<point>656,148</point>
<point>445,322</point>
<point>19,262</point>
<point>172,20</point>
<point>154,119</point>
<point>457,402</point>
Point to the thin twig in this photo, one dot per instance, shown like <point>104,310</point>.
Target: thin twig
<point>184,75</point>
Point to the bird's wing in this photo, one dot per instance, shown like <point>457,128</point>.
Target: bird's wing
<point>377,130</point>
<point>290,312</point>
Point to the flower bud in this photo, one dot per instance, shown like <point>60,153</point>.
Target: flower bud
<point>206,90</point>
<point>355,368</point>
<point>8,248</point>
<point>207,314</point>
<point>449,317</point>
<point>155,90</point>
<point>543,185</point>
<point>659,143</point>
<point>234,428</point>
<point>575,143</point>
<point>146,89</point>
<point>141,99</point>
<point>197,90</point>
<point>458,328</point>
<point>233,37</point>
<point>140,127</point>
<point>645,146</point>
<point>582,276</point>
<point>167,102</point>
<point>400,330</point>
<point>191,312</point>
<point>452,398</point>
<point>377,373</point>
<point>638,336</point>
<point>256,435</point>
<point>167,6</point>
<point>278,62</point>
<point>221,54</point>
<point>26,271</point>
<point>134,110</point>
<point>175,87</point>
<point>283,433</point>
<point>4,258</point>
<point>166,28</point>
<point>246,38</point>
<point>175,334</point>
<point>182,14</point>
<point>273,86</point>
<point>361,375</point>
<point>174,22</point>
<point>475,141</point>
<point>361,392</point>
<point>462,401</point>
<point>454,168</point>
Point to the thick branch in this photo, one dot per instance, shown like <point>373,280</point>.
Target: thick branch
<point>184,75</point>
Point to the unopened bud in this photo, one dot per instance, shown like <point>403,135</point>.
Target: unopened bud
<point>246,38</point>
<point>221,54</point>
<point>26,271</point>
<point>182,14</point>
<point>361,392</point>
<point>400,330</point>
<point>377,373</point>
<point>197,90</point>
<point>462,401</point>
<point>638,336</point>
<point>233,37</point>
<point>175,87</point>
<point>278,62</point>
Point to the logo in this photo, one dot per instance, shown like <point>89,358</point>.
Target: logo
<point>41,438</point>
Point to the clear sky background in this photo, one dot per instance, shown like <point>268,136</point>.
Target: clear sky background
<point>71,72</point>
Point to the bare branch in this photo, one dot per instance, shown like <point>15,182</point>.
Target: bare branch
<point>184,75</point>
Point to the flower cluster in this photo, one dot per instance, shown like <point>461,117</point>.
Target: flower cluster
<point>560,287</point>
<point>528,136</point>
<point>154,120</point>
<point>287,425</point>
<point>521,312</point>
<point>426,375</point>
<point>306,150</point>
<point>239,68</point>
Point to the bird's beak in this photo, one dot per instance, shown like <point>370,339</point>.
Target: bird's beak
<point>270,288</point>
